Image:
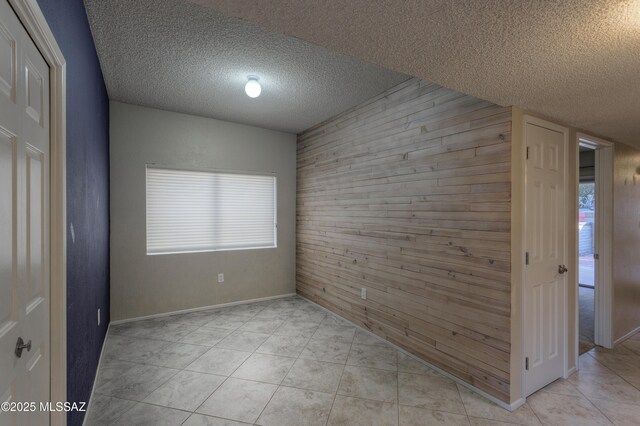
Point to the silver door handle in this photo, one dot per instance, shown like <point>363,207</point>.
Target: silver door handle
<point>20,346</point>
<point>562,269</point>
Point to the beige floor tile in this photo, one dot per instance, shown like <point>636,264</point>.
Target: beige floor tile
<point>176,355</point>
<point>275,313</point>
<point>633,380</point>
<point>219,361</point>
<point>186,390</point>
<point>605,386</point>
<point>111,368</point>
<point>365,338</point>
<point>433,393</point>
<point>332,319</point>
<point>361,412</point>
<point>202,420</point>
<point>378,385</point>
<point>555,409</point>
<point>328,350</point>
<point>105,410</point>
<point>621,361</point>
<point>633,345</point>
<point>562,387</point>
<point>368,383</point>
<point>295,328</point>
<point>619,413</point>
<point>307,315</point>
<point>338,332</point>
<point>264,368</point>
<point>588,363</point>
<point>293,407</point>
<point>173,332</point>
<point>242,341</point>
<point>619,349</point>
<point>152,415</point>
<point>231,322</point>
<point>373,356</point>
<point>476,421</point>
<point>262,325</point>
<point>414,416</point>
<point>477,406</point>
<point>314,375</point>
<point>240,400</point>
<point>283,346</point>
<point>206,336</point>
<point>407,364</point>
<point>137,382</point>
<point>132,349</point>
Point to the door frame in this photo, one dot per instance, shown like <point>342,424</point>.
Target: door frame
<point>529,119</point>
<point>34,22</point>
<point>603,333</point>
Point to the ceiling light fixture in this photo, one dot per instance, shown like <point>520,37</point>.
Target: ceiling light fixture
<point>252,88</point>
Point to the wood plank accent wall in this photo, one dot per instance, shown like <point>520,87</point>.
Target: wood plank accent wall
<point>408,195</point>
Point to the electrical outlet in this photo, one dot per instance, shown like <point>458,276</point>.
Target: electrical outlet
<point>98,316</point>
<point>220,278</point>
<point>363,293</point>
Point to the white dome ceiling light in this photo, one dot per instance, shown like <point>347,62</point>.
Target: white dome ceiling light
<point>252,88</point>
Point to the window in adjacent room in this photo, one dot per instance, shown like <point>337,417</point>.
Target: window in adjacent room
<point>194,211</point>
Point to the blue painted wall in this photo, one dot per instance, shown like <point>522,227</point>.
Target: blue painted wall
<point>87,196</point>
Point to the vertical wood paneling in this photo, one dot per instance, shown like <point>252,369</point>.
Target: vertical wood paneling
<point>409,196</point>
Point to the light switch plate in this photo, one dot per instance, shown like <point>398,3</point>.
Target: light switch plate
<point>220,278</point>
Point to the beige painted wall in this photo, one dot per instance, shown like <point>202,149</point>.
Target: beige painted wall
<point>145,285</point>
<point>626,240</point>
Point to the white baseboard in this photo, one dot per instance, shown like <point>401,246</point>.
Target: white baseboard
<point>502,404</point>
<point>202,308</point>
<point>626,336</point>
<point>95,378</point>
<point>517,404</point>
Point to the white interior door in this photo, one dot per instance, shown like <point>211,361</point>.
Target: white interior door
<point>24,221</point>
<point>545,284</point>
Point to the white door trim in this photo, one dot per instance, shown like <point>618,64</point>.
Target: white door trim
<point>36,25</point>
<point>603,335</point>
<point>528,119</point>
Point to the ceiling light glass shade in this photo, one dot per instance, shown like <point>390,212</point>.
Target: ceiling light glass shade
<point>252,88</point>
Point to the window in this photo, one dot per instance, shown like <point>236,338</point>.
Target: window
<point>192,211</point>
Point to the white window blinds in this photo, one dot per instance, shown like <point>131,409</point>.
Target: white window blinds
<point>189,211</point>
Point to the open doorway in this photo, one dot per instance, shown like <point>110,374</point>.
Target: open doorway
<point>586,247</point>
<point>594,245</point>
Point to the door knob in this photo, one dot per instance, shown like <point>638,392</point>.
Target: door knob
<point>20,346</point>
<point>562,269</point>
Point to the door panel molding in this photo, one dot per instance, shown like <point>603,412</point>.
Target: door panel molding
<point>33,20</point>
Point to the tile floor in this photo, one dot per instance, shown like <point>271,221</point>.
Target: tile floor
<point>288,362</point>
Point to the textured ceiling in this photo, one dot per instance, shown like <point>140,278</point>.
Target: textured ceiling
<point>179,56</point>
<point>577,61</point>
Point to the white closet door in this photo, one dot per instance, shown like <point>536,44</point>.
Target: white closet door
<point>24,221</point>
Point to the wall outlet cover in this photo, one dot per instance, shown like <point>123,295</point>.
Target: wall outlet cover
<point>220,278</point>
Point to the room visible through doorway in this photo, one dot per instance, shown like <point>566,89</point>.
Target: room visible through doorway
<point>586,248</point>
